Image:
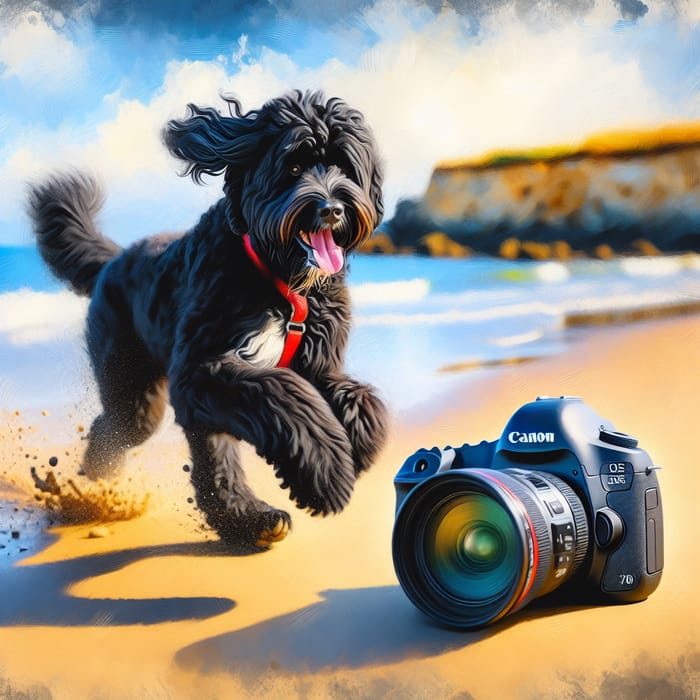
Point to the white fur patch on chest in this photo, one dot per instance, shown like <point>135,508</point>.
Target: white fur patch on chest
<point>263,347</point>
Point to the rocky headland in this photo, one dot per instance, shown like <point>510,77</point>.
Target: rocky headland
<point>618,193</point>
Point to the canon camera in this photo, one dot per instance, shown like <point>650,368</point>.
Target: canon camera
<point>560,498</point>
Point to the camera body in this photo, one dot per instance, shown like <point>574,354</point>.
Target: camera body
<point>560,491</point>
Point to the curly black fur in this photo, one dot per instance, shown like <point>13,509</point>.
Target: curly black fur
<point>194,315</point>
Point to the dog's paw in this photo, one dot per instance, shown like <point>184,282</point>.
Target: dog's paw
<point>256,530</point>
<point>365,417</point>
<point>314,459</point>
<point>275,530</point>
<point>324,491</point>
<point>323,504</point>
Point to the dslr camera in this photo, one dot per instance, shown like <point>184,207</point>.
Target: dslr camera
<point>561,498</point>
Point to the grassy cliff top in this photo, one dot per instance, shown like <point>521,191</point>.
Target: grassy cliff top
<point>622,143</point>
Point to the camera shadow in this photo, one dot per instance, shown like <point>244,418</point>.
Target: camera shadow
<point>349,628</point>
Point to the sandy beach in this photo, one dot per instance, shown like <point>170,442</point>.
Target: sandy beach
<point>155,608</point>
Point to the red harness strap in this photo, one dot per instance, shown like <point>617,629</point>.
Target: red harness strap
<point>300,309</point>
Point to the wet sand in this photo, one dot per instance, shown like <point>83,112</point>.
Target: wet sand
<point>155,608</point>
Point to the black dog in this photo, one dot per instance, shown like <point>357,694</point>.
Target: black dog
<point>207,314</point>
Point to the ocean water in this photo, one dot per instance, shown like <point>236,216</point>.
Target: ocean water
<point>416,317</point>
<point>413,319</point>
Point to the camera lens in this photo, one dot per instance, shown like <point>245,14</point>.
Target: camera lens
<point>472,545</point>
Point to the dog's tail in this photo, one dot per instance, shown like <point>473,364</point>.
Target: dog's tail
<point>63,210</point>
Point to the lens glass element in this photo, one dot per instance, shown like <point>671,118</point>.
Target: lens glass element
<point>472,548</point>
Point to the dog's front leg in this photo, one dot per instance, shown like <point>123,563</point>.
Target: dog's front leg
<point>361,412</point>
<point>282,415</point>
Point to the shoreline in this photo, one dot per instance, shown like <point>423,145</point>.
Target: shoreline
<point>156,607</point>
<point>584,320</point>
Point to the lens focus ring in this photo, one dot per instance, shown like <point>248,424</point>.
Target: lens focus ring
<point>580,520</point>
<point>542,554</point>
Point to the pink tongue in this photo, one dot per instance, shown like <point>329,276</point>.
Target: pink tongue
<point>328,254</point>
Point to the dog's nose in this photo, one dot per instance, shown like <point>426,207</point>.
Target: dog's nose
<point>331,212</point>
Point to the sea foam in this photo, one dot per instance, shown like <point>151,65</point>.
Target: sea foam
<point>398,292</point>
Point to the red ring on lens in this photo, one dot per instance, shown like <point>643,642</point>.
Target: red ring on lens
<point>533,538</point>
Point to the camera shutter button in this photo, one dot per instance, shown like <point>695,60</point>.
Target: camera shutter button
<point>609,528</point>
<point>612,437</point>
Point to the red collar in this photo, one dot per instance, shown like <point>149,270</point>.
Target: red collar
<point>300,309</point>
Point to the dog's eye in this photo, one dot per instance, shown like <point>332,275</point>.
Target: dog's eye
<point>295,170</point>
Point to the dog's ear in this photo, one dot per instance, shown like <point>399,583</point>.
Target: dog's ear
<point>209,143</point>
<point>368,166</point>
<point>375,189</point>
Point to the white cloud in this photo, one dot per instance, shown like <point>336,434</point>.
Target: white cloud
<point>125,152</point>
<point>37,153</point>
<point>239,54</point>
<point>29,317</point>
<point>691,8</point>
<point>429,92</point>
<point>130,143</point>
<point>40,57</point>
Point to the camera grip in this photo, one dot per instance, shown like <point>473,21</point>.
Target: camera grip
<point>633,569</point>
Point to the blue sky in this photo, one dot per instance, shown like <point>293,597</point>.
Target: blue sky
<point>90,83</point>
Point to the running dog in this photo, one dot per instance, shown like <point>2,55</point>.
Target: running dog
<point>242,321</point>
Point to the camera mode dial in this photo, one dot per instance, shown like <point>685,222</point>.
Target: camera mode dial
<point>612,437</point>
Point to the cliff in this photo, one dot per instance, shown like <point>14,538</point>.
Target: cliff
<point>622,192</point>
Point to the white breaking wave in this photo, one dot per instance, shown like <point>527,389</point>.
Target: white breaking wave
<point>400,292</point>
<point>519,339</point>
<point>554,310</point>
<point>659,266</point>
<point>552,272</point>
<point>28,317</point>
<point>458,315</point>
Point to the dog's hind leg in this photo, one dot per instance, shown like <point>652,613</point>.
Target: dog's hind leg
<point>123,425</point>
<point>228,503</point>
<point>133,393</point>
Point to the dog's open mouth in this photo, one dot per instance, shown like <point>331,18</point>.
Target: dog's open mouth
<point>322,250</point>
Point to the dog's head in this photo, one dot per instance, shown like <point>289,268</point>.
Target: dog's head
<point>302,177</point>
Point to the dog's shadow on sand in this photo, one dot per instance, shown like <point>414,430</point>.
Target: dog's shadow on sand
<point>350,628</point>
<point>38,594</point>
